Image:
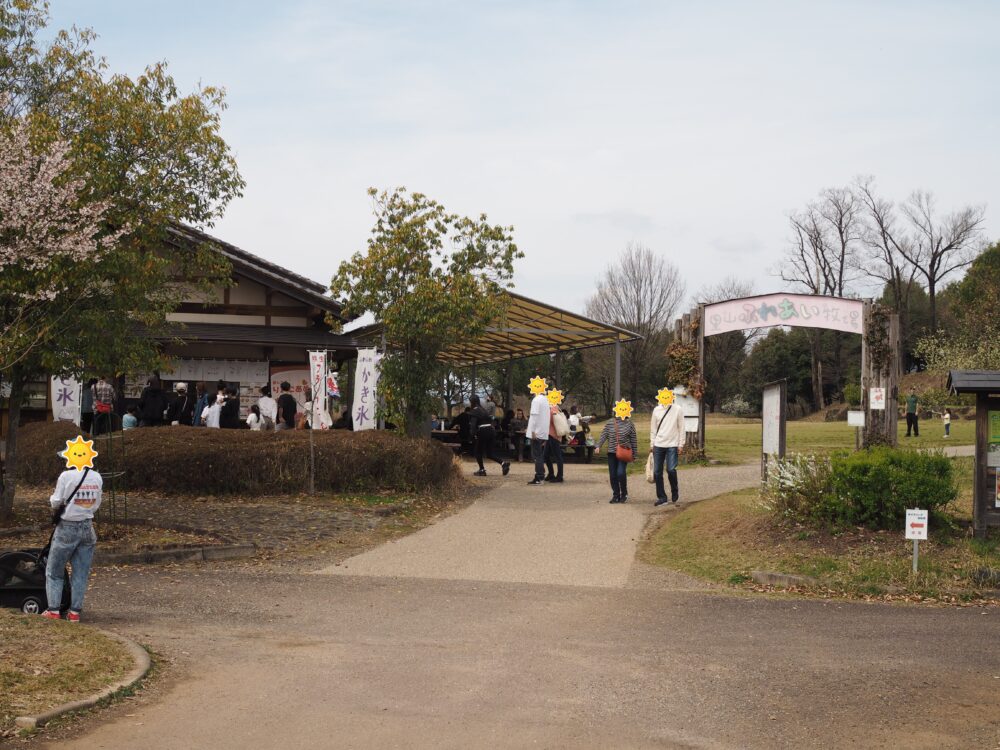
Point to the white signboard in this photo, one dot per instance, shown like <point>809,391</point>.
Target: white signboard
<point>876,398</point>
<point>366,390</point>
<point>689,405</point>
<point>771,417</point>
<point>855,418</point>
<point>916,524</point>
<point>65,400</point>
<point>796,310</point>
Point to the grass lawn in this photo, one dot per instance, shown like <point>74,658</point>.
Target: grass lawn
<point>736,441</point>
<point>725,538</point>
<point>44,664</point>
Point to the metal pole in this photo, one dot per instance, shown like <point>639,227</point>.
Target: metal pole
<point>312,461</point>
<point>510,383</point>
<point>916,546</point>
<point>618,370</point>
<point>558,369</point>
<point>475,371</point>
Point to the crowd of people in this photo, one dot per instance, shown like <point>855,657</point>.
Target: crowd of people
<point>213,408</point>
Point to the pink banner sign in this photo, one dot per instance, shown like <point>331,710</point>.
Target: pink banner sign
<point>796,310</point>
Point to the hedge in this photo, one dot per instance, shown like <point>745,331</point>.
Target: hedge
<point>192,460</point>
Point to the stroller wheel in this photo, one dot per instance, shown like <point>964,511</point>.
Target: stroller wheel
<point>32,605</point>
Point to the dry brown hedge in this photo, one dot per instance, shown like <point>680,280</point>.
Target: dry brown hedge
<point>192,460</point>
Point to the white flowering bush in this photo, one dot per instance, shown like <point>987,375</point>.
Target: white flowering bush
<point>736,406</point>
<point>798,487</point>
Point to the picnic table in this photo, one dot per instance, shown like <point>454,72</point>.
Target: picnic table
<point>449,438</point>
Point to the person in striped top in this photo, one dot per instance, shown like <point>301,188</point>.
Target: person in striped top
<point>619,431</point>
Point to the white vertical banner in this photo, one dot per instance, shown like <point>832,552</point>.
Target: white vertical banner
<point>66,393</point>
<point>319,418</point>
<point>366,389</point>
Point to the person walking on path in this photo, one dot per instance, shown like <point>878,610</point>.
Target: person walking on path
<point>553,447</point>
<point>538,426</point>
<point>912,420</point>
<point>666,440</point>
<point>485,435</point>
<point>76,498</point>
<point>619,432</point>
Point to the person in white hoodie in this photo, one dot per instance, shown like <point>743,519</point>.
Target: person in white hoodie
<point>666,440</point>
<point>538,426</point>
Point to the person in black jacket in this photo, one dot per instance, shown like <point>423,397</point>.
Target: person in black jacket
<point>481,426</point>
<point>181,409</point>
<point>152,404</point>
<point>229,418</point>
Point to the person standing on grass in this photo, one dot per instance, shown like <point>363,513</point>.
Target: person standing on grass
<point>538,426</point>
<point>619,432</point>
<point>911,414</point>
<point>287,408</point>
<point>666,440</point>
<point>946,420</point>
<point>76,498</point>
<point>482,427</point>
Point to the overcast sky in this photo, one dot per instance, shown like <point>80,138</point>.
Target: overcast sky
<point>693,128</point>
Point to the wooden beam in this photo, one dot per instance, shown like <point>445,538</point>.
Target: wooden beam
<point>228,309</point>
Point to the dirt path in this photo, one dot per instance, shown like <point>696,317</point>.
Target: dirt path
<point>439,641</point>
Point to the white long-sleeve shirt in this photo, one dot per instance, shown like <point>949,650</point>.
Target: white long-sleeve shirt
<point>87,499</point>
<point>538,421</point>
<point>268,407</point>
<point>671,433</point>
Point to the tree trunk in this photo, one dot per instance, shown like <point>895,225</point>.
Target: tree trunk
<point>932,298</point>
<point>817,371</point>
<point>10,460</point>
<point>417,424</point>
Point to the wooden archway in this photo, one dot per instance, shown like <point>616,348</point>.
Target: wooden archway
<point>877,325</point>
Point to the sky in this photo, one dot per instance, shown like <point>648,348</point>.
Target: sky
<point>691,128</point>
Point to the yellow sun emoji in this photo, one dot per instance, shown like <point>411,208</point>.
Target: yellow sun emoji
<point>555,397</point>
<point>79,454</point>
<point>665,396</point>
<point>537,385</point>
<point>623,409</point>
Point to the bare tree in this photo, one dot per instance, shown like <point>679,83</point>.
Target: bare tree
<point>725,352</point>
<point>822,259</point>
<point>939,247</point>
<point>641,292</point>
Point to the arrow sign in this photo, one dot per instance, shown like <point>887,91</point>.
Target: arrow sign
<point>916,523</point>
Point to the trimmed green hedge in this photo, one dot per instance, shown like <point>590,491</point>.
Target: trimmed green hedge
<point>200,461</point>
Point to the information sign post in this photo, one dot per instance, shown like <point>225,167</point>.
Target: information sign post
<point>916,529</point>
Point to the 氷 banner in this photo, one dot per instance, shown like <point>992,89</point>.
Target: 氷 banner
<point>317,378</point>
<point>366,390</point>
<point>66,393</point>
<point>795,310</point>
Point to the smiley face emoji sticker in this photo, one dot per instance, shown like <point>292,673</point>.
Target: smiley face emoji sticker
<point>537,386</point>
<point>79,454</point>
<point>623,409</point>
<point>665,396</point>
<point>555,397</point>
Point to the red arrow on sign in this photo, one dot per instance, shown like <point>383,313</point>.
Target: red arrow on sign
<point>915,525</point>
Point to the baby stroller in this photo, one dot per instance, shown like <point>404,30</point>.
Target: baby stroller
<point>22,581</point>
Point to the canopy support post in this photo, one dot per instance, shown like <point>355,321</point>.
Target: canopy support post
<point>558,369</point>
<point>618,370</point>
<point>475,371</point>
<point>510,383</point>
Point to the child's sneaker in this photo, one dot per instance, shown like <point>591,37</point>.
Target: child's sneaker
<point>51,615</point>
<point>73,616</point>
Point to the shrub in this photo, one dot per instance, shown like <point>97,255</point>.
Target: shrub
<point>736,406</point>
<point>194,460</point>
<point>852,394</point>
<point>873,488</point>
<point>870,488</point>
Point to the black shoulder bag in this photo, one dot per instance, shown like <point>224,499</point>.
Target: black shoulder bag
<point>57,514</point>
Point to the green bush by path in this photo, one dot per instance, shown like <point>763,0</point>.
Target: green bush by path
<point>200,461</point>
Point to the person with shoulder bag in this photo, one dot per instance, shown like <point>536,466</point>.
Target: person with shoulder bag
<point>76,498</point>
<point>558,429</point>
<point>666,439</point>
<point>623,445</point>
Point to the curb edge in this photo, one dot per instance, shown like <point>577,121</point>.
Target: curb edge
<point>142,666</point>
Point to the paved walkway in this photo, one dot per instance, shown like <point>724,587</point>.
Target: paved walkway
<point>566,534</point>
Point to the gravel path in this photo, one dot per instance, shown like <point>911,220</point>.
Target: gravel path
<point>566,534</point>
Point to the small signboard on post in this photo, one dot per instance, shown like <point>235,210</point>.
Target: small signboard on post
<point>773,424</point>
<point>916,529</point>
<point>877,398</point>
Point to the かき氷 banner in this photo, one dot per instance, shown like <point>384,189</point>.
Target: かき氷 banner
<point>366,390</point>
